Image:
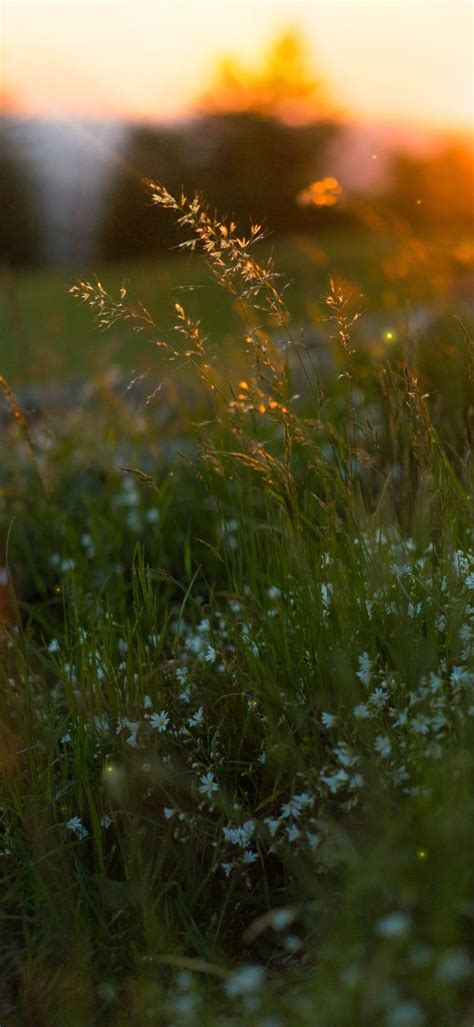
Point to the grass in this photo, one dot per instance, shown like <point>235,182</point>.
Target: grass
<point>44,338</point>
<point>237,686</point>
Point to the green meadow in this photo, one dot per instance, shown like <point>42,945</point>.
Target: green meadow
<point>237,613</point>
<point>44,337</point>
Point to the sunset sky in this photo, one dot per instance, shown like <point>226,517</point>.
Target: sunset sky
<point>403,61</point>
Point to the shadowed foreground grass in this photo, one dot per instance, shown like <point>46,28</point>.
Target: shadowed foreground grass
<point>237,687</point>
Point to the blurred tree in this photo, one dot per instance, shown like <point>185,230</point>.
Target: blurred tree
<point>435,191</point>
<point>281,86</point>
<point>131,226</point>
<point>20,229</point>
<point>257,166</point>
<point>256,140</point>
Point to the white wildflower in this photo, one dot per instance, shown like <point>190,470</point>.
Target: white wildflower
<point>419,725</point>
<point>399,775</point>
<point>159,721</point>
<point>240,835</point>
<point>402,719</point>
<point>197,718</point>
<point>406,1014</point>
<point>462,563</point>
<point>365,669</point>
<point>439,721</point>
<point>133,726</point>
<point>393,925</point>
<point>383,745</point>
<point>378,697</point>
<point>436,683</point>
<point>281,918</point>
<point>272,825</point>
<point>293,832</point>
<point>249,857</point>
<point>361,711</point>
<point>459,676</point>
<point>244,981</point>
<point>344,755</point>
<point>290,809</point>
<point>335,781</point>
<point>304,800</point>
<point>208,785</point>
<point>357,781</point>
<point>326,595</point>
<point>77,827</point>
<point>328,720</point>
<point>455,965</point>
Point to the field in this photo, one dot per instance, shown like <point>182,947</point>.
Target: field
<point>44,337</point>
<point>236,739</point>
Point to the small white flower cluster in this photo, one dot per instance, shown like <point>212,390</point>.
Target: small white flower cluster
<point>391,720</point>
<point>198,643</point>
<point>404,727</point>
<point>344,775</point>
<point>157,722</point>
<point>184,825</point>
<point>240,837</point>
<point>295,824</point>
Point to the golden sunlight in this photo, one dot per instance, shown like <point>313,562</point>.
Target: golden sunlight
<point>397,62</point>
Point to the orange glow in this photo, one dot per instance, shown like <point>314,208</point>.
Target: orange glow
<point>324,193</point>
<point>380,60</point>
<point>281,84</point>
